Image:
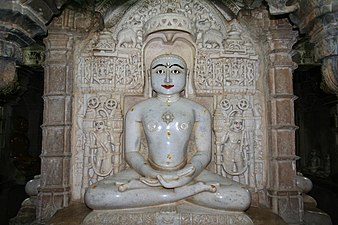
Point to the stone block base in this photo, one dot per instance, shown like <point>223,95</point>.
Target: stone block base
<point>171,214</point>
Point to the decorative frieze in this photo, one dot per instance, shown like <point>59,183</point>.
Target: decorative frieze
<point>168,214</point>
<point>219,74</point>
<point>114,72</point>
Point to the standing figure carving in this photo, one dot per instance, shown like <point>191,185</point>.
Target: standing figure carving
<point>166,175</point>
<point>102,148</point>
<point>235,147</point>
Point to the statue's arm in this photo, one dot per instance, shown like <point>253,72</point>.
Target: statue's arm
<point>133,145</point>
<point>225,137</point>
<point>92,139</point>
<point>202,156</point>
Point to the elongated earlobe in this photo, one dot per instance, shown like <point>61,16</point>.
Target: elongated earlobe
<point>186,90</point>
<point>150,89</point>
<point>190,86</point>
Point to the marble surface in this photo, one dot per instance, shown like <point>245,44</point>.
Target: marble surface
<point>76,212</point>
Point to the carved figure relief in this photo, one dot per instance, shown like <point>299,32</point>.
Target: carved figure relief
<point>112,72</point>
<point>238,139</point>
<point>207,36</point>
<point>102,148</point>
<point>102,129</point>
<point>233,69</point>
<point>235,146</point>
<point>126,38</point>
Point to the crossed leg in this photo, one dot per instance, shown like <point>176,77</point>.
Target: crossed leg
<point>107,194</point>
<point>230,195</point>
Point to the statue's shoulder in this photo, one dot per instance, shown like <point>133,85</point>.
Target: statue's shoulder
<point>194,104</point>
<point>146,103</point>
<point>200,110</point>
<point>141,106</point>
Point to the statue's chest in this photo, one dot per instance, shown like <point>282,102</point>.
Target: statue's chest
<point>172,119</point>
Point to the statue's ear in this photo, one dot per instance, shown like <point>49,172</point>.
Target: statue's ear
<point>147,88</point>
<point>150,90</point>
<point>187,86</point>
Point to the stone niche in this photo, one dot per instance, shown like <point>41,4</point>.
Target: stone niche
<point>239,69</point>
<point>225,75</point>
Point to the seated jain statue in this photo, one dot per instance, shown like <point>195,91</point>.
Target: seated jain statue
<point>166,176</point>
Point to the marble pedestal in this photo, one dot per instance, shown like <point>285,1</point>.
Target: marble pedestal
<point>181,213</point>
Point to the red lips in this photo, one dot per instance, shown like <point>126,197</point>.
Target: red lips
<point>167,86</point>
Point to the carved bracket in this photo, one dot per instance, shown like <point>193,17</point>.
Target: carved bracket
<point>330,73</point>
<point>279,7</point>
<point>324,35</point>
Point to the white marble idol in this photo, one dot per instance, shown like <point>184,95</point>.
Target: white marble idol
<point>166,175</point>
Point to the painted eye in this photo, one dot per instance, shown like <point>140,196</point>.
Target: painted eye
<point>175,71</point>
<point>160,71</point>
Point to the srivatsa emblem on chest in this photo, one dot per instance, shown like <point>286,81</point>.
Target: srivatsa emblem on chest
<point>168,117</point>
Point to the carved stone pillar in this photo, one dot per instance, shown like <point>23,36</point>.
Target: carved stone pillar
<point>324,35</point>
<point>318,20</point>
<point>54,192</point>
<point>20,23</point>
<point>55,156</point>
<point>284,196</point>
<point>10,54</point>
<point>278,7</point>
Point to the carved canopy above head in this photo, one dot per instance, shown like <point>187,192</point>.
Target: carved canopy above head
<point>168,21</point>
<point>169,33</point>
<point>220,54</point>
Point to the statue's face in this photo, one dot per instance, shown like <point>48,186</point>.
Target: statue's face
<point>237,125</point>
<point>99,125</point>
<point>168,74</point>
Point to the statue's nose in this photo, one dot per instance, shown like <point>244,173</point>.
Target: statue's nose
<point>167,78</point>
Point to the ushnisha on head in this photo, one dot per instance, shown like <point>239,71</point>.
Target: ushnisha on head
<point>168,74</point>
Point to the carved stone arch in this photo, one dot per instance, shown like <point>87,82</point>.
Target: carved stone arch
<point>111,8</point>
